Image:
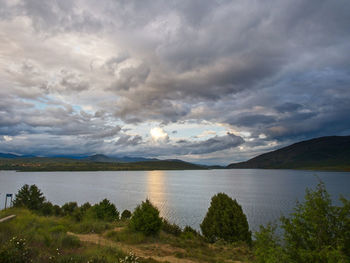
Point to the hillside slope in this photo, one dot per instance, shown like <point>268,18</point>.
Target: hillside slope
<point>66,164</point>
<point>324,153</point>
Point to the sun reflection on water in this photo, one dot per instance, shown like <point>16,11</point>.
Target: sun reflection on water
<point>156,190</point>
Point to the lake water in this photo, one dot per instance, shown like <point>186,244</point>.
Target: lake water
<point>182,197</point>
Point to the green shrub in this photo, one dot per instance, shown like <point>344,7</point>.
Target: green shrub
<point>47,209</point>
<point>171,228</point>
<point>190,233</point>
<point>267,248</point>
<point>225,220</point>
<point>146,219</point>
<point>15,251</point>
<point>69,208</point>
<point>106,211</point>
<point>316,231</point>
<point>86,206</point>
<point>30,197</point>
<point>126,214</point>
<point>56,210</point>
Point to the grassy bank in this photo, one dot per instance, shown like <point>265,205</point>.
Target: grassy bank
<point>63,239</point>
<point>317,231</point>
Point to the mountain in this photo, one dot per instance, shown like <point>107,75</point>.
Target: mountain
<point>8,155</point>
<point>97,162</point>
<point>124,159</point>
<point>14,156</point>
<point>324,153</point>
<point>99,158</point>
<point>127,159</point>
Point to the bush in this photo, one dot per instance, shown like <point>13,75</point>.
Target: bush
<point>267,248</point>
<point>225,220</point>
<point>190,233</point>
<point>86,206</point>
<point>15,251</point>
<point>171,228</point>
<point>69,208</point>
<point>126,214</point>
<point>47,209</point>
<point>146,219</point>
<point>106,211</point>
<point>316,231</point>
<point>56,210</point>
<point>189,229</point>
<point>29,197</point>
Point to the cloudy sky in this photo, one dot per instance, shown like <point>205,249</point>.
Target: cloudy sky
<point>206,81</point>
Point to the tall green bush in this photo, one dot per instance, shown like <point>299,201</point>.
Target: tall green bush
<point>316,231</point>
<point>146,219</point>
<point>106,211</point>
<point>69,208</point>
<point>30,197</point>
<point>126,214</point>
<point>225,220</point>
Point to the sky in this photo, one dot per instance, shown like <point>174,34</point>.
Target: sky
<point>211,82</point>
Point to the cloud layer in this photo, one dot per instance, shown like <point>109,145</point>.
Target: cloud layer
<point>81,77</point>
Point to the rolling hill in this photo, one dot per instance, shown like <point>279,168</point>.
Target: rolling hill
<point>324,153</point>
<point>93,163</point>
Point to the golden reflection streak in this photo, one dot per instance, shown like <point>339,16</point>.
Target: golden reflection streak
<point>156,190</point>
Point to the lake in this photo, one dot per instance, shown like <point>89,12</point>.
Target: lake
<point>182,197</point>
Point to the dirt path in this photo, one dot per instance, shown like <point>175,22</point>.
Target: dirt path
<point>7,218</point>
<point>144,251</point>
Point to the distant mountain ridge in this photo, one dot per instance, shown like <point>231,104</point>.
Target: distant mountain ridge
<point>97,162</point>
<point>13,156</point>
<point>8,155</point>
<point>324,153</point>
<point>93,158</point>
<point>124,159</point>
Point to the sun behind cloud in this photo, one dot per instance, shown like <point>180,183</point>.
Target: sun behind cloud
<point>159,135</point>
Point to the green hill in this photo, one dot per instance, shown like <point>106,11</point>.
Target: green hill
<point>68,164</point>
<point>324,153</point>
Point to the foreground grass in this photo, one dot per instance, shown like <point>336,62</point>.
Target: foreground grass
<point>61,239</point>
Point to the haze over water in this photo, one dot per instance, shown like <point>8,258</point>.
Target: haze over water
<point>183,197</point>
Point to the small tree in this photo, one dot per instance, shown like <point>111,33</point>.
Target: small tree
<point>126,214</point>
<point>225,220</point>
<point>29,197</point>
<point>47,209</point>
<point>105,210</point>
<point>146,219</point>
<point>69,208</point>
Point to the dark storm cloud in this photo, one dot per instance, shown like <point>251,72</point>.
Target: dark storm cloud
<point>131,77</point>
<point>128,140</point>
<point>278,70</point>
<point>217,143</point>
<point>185,147</point>
<point>252,120</point>
<point>288,107</point>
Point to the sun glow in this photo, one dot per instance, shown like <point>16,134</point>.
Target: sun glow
<point>159,135</point>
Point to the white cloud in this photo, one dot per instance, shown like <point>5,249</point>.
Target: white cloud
<point>159,135</point>
<point>7,138</point>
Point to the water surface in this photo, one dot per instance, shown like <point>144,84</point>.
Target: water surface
<point>183,197</point>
